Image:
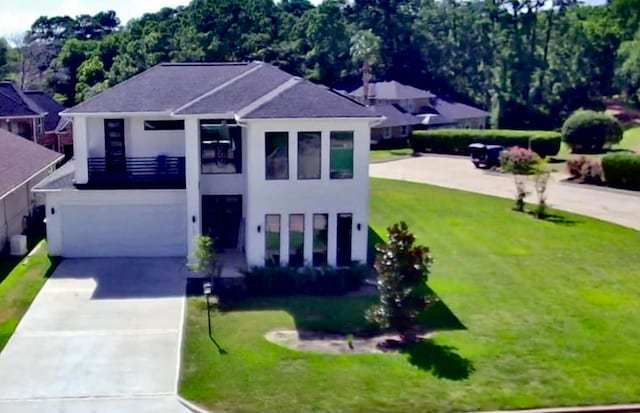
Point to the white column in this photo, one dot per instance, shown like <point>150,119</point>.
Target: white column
<point>81,150</point>
<point>192,164</point>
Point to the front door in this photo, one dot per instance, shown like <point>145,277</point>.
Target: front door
<point>114,155</point>
<point>343,245</point>
<point>221,218</point>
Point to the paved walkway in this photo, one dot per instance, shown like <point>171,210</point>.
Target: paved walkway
<point>620,207</point>
<point>102,336</point>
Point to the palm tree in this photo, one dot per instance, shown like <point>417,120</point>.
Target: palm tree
<point>365,47</point>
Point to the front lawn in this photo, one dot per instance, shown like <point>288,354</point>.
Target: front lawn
<point>20,287</point>
<point>548,315</point>
<point>386,155</point>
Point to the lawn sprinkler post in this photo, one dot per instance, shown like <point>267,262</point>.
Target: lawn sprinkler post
<point>207,292</point>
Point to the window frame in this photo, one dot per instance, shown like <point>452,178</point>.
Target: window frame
<point>404,130</point>
<point>325,262</point>
<point>266,163</point>
<point>268,261</point>
<point>331,155</point>
<point>319,135</point>
<point>178,124</point>
<point>236,141</point>
<point>387,132</point>
<point>298,263</point>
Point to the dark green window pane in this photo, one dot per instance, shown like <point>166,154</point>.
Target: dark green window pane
<point>296,240</point>
<point>341,155</point>
<point>277,155</point>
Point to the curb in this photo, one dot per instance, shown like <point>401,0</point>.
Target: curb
<point>191,406</point>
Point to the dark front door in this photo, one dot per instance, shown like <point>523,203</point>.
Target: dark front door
<point>114,156</point>
<point>343,245</point>
<point>221,218</point>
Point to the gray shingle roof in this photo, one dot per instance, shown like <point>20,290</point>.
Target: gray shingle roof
<point>309,100</point>
<point>162,88</point>
<point>395,116</point>
<point>13,102</point>
<point>243,91</point>
<point>46,103</point>
<point>392,91</point>
<point>220,88</point>
<point>20,159</point>
<point>457,111</point>
<point>61,178</point>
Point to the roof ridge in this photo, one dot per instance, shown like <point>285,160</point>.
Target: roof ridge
<point>258,65</point>
<point>268,97</point>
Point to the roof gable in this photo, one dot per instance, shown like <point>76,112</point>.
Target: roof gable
<point>14,103</point>
<point>394,116</point>
<point>21,159</point>
<point>309,100</point>
<point>49,105</point>
<point>455,110</point>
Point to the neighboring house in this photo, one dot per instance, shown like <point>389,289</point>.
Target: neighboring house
<point>397,124</point>
<point>22,165</point>
<point>262,161</point>
<point>34,115</point>
<point>57,132</point>
<point>433,111</point>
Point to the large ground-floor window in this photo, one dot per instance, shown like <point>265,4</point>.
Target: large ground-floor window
<point>296,240</point>
<point>320,239</point>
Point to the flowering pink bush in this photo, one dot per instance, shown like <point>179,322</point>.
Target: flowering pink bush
<point>519,161</point>
<point>588,170</point>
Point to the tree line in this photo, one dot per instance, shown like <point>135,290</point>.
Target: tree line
<point>529,62</point>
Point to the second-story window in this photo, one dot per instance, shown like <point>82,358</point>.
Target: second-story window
<point>154,125</point>
<point>309,155</point>
<point>341,155</point>
<point>276,155</point>
<point>220,147</point>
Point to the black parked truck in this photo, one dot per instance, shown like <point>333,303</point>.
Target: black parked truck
<point>485,156</point>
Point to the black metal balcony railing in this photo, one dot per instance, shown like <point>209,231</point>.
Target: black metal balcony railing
<point>158,172</point>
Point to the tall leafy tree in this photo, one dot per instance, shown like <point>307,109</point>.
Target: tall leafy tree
<point>365,48</point>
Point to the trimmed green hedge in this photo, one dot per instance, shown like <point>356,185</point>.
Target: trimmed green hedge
<point>456,141</point>
<point>622,170</point>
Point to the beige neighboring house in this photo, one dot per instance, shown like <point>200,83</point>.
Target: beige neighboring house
<point>23,164</point>
<point>433,111</point>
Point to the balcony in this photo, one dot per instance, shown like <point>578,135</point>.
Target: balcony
<point>158,172</point>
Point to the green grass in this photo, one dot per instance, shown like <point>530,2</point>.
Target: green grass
<point>20,287</point>
<point>629,142</point>
<point>550,310</point>
<point>385,155</point>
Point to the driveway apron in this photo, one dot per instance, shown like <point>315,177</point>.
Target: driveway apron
<point>102,335</point>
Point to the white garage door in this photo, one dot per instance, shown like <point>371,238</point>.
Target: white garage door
<point>124,230</point>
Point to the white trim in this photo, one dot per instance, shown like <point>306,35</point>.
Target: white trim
<point>112,114</point>
<point>216,89</point>
<point>21,117</point>
<point>267,98</point>
<point>373,120</point>
<point>15,188</point>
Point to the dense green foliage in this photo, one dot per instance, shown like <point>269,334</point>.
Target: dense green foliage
<point>530,64</point>
<point>547,313</point>
<point>457,141</point>
<point>622,170</point>
<point>403,270</point>
<point>589,131</point>
<point>272,280</point>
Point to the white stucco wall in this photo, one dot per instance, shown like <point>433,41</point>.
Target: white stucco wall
<point>306,197</point>
<point>85,223</point>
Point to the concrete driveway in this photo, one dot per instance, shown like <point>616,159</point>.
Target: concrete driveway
<point>620,207</point>
<point>103,335</point>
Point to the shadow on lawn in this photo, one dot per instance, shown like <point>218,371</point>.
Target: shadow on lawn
<point>441,360</point>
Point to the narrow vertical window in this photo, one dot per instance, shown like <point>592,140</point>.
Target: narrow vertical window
<point>320,239</point>
<point>272,240</point>
<point>341,155</point>
<point>344,226</point>
<point>296,240</point>
<point>309,155</point>
<point>277,155</point>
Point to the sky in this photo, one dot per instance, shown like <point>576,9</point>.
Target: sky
<point>17,15</point>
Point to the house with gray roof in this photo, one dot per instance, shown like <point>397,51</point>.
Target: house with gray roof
<point>273,167</point>
<point>34,115</point>
<point>433,111</point>
<point>397,124</point>
<point>23,164</point>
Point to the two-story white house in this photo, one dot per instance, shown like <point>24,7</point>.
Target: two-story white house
<point>262,161</point>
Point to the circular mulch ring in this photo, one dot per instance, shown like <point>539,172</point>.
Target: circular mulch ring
<point>328,343</point>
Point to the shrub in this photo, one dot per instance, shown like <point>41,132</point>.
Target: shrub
<point>588,170</point>
<point>520,162</point>
<point>284,280</point>
<point>457,141</point>
<point>403,271</point>
<point>590,131</point>
<point>622,170</point>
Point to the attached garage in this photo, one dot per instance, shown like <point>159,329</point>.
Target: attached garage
<point>123,223</point>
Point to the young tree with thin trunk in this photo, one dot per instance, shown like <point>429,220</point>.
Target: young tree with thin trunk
<point>365,48</point>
